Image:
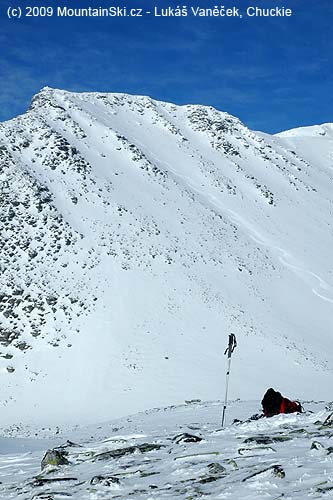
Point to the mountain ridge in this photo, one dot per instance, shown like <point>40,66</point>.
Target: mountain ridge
<point>137,234</point>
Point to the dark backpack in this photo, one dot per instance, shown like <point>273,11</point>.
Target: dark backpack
<point>271,403</point>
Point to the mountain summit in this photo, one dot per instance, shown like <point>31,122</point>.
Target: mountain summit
<point>137,234</point>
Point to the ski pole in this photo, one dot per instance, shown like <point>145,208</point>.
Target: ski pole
<point>229,350</point>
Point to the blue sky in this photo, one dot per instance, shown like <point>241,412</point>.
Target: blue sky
<point>273,74</point>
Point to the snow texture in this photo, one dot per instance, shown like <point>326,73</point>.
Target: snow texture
<point>177,452</point>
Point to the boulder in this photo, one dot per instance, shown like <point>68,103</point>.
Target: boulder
<point>55,458</point>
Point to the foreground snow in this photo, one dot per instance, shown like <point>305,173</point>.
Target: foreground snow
<point>147,456</point>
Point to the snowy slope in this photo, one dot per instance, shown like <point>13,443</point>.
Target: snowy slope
<point>136,235</point>
<point>178,452</point>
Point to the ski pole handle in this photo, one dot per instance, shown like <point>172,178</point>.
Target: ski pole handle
<point>232,345</point>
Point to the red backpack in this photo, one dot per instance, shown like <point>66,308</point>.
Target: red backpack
<point>288,406</point>
<point>274,403</point>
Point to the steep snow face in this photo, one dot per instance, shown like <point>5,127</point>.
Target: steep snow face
<point>136,235</point>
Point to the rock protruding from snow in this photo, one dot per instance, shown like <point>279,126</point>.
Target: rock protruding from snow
<point>154,466</point>
<point>54,458</point>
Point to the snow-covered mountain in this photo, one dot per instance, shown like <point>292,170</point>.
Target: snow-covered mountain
<point>137,234</point>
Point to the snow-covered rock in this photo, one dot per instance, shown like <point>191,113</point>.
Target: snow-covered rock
<point>283,457</point>
<point>136,235</point>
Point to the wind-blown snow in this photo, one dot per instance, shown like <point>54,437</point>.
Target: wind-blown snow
<point>177,452</point>
<point>136,235</point>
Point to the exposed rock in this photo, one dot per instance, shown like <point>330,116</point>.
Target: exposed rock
<point>120,452</point>
<point>325,489</point>
<point>41,481</point>
<point>105,480</point>
<point>267,439</point>
<point>262,450</point>
<point>328,420</point>
<point>68,444</point>
<point>276,470</point>
<point>43,496</point>
<point>54,457</point>
<point>316,445</point>
<point>216,468</point>
<point>186,438</point>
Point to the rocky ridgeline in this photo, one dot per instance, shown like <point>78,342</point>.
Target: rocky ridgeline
<point>37,244</point>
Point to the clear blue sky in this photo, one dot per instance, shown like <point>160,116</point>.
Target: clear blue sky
<point>273,74</point>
